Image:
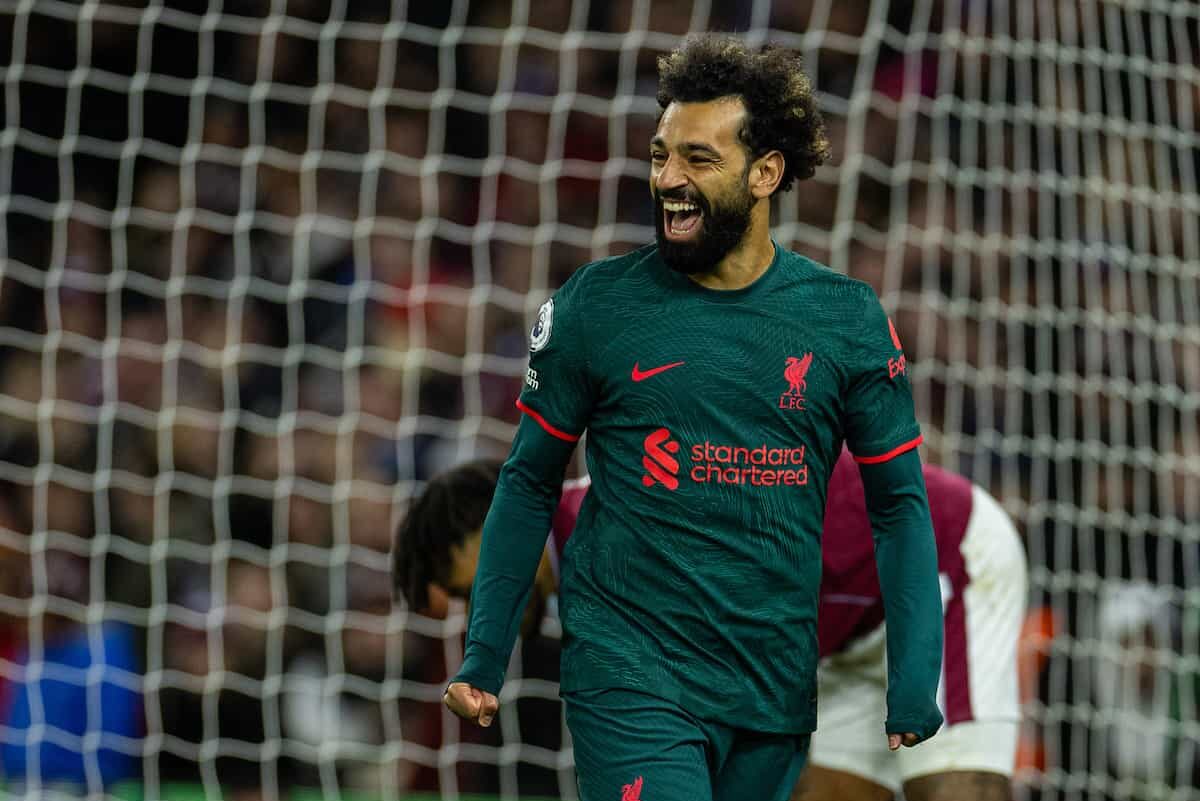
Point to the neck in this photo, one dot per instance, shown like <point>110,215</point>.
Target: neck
<point>746,263</point>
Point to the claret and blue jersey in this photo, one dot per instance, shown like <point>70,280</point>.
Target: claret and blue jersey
<point>713,420</point>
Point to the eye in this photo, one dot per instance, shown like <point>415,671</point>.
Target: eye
<point>700,160</point>
<point>658,156</point>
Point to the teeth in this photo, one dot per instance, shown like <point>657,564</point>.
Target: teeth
<point>678,205</point>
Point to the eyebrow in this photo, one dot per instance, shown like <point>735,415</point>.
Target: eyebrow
<point>658,141</point>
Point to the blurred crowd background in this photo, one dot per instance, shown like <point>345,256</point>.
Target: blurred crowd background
<point>266,268</point>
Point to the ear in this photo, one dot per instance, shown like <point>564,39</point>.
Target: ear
<point>439,603</point>
<point>765,174</point>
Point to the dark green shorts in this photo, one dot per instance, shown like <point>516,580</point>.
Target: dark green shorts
<point>635,747</point>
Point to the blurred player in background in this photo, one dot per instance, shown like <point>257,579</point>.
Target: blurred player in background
<point>981,564</point>
<point>718,376</point>
<point>980,560</point>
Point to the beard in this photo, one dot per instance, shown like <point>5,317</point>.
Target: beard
<point>723,226</point>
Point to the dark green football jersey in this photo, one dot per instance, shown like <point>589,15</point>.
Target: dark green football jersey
<point>713,420</point>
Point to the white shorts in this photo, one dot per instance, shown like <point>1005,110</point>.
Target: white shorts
<point>852,684</point>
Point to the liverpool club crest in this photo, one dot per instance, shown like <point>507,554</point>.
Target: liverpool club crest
<point>795,373</point>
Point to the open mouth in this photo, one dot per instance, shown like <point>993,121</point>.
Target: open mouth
<point>681,219</point>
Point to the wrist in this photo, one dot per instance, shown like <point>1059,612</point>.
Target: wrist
<point>480,670</point>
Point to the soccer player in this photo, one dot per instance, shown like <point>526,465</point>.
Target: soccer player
<point>982,567</point>
<point>984,582</point>
<point>717,376</point>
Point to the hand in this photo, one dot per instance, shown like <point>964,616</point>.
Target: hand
<point>908,739</point>
<point>471,703</point>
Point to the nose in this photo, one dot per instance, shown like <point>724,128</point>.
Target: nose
<point>671,175</point>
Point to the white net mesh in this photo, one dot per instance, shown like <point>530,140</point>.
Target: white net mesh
<point>268,266</point>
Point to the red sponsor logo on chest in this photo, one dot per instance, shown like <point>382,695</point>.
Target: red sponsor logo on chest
<point>660,464</point>
<point>717,463</point>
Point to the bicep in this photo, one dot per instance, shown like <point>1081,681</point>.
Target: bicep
<point>558,391</point>
<point>878,419</point>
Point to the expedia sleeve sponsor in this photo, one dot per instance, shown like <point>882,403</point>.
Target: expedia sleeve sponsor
<point>878,411</point>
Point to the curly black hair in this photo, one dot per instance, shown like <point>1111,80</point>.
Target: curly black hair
<point>452,505</point>
<point>781,111</point>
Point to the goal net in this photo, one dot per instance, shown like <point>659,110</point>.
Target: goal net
<point>266,267</point>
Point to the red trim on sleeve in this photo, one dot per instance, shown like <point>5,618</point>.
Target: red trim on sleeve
<point>541,421</point>
<point>892,454</point>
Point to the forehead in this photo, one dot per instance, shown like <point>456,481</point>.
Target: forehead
<point>713,122</point>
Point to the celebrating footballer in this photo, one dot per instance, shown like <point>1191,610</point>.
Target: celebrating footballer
<point>718,377</point>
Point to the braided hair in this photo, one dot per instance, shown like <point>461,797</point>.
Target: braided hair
<point>452,505</point>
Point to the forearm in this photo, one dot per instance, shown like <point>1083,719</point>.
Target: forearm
<point>514,535</point>
<point>906,557</point>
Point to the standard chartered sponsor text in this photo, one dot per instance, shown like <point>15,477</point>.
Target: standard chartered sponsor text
<point>758,466</point>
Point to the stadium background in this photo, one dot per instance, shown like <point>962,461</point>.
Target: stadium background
<point>269,265</point>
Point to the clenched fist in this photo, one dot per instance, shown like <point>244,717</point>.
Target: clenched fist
<point>471,703</point>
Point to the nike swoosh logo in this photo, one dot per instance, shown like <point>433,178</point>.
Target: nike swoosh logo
<point>642,375</point>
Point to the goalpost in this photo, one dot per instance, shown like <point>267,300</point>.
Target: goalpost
<point>267,266</point>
